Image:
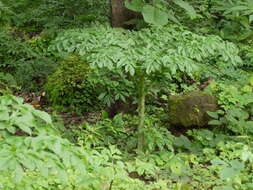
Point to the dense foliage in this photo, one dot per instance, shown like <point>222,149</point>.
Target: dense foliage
<point>87,106</point>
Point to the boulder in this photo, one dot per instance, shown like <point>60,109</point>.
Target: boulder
<point>190,109</point>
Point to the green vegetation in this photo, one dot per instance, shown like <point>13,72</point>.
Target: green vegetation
<point>165,104</point>
<point>70,87</point>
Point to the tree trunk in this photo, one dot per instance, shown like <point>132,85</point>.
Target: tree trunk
<point>120,14</point>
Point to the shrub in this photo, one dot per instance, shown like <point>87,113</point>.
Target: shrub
<point>34,16</point>
<point>27,60</point>
<point>236,104</point>
<point>70,86</point>
<point>79,86</point>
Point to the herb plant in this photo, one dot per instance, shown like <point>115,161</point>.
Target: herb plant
<point>146,56</point>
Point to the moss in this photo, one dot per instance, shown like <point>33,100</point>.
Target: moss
<point>190,109</point>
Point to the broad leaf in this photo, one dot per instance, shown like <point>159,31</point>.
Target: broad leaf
<point>135,5</point>
<point>154,15</point>
<point>4,116</point>
<point>228,173</point>
<point>25,128</point>
<point>217,161</point>
<point>213,114</point>
<point>237,165</point>
<point>250,18</point>
<point>186,6</point>
<point>4,162</point>
<point>18,173</point>
<point>43,115</point>
<point>214,122</point>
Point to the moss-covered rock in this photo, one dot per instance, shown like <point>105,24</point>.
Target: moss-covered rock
<point>190,109</point>
<point>69,87</point>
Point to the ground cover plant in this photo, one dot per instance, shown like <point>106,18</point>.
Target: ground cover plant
<point>84,105</point>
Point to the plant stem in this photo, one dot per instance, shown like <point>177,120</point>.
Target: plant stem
<point>141,111</point>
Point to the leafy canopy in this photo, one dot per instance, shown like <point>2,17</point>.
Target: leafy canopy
<point>169,49</point>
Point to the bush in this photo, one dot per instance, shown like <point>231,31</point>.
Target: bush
<point>70,86</point>
<point>34,16</point>
<point>236,105</point>
<point>28,61</point>
<point>80,86</point>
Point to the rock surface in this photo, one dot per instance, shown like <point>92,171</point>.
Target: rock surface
<point>190,110</point>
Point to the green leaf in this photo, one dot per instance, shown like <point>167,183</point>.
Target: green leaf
<point>154,15</point>
<point>172,17</point>
<point>4,116</point>
<point>44,171</point>
<point>186,6</point>
<point>227,187</point>
<point>57,148</point>
<point>43,115</point>
<point>26,118</point>
<point>101,96</point>
<point>19,173</point>
<point>237,165</point>
<point>250,18</point>
<point>63,176</point>
<point>214,122</point>
<point>15,99</point>
<point>27,161</point>
<point>4,125</point>
<point>228,173</point>
<point>187,187</point>
<point>135,5</point>
<point>213,114</point>
<point>25,128</point>
<point>247,89</point>
<point>238,8</point>
<point>11,129</point>
<point>183,141</point>
<point>246,156</point>
<point>217,161</point>
<point>250,80</point>
<point>176,166</point>
<point>4,162</point>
